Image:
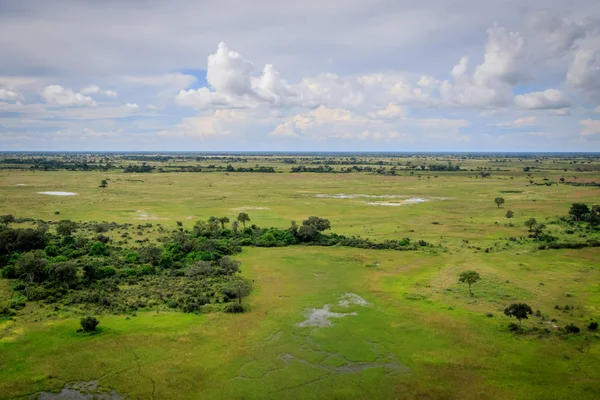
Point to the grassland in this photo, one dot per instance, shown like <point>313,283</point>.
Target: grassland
<point>420,336</point>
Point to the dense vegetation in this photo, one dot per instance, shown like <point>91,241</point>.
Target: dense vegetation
<point>189,270</point>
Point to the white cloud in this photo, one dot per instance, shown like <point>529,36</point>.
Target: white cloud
<point>392,111</point>
<point>91,132</point>
<point>524,121</point>
<point>10,95</point>
<point>56,94</point>
<point>584,71</point>
<point>492,81</point>
<point>548,99</point>
<point>95,89</point>
<point>132,106</point>
<point>590,127</point>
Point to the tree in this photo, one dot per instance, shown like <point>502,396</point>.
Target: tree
<point>150,255</point>
<point>229,266</point>
<point>320,224</point>
<point>89,324</point>
<point>518,310</point>
<point>235,225</point>
<point>469,277</point>
<point>243,218</point>
<point>530,223</point>
<point>223,221</point>
<point>32,266</point>
<point>509,215</point>
<point>7,219</point>
<point>66,227</point>
<point>579,211</point>
<point>199,269</point>
<point>239,286</point>
<point>538,229</point>
<point>64,273</point>
<point>499,201</point>
<point>103,183</point>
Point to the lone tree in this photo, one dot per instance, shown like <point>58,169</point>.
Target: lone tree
<point>509,215</point>
<point>579,211</point>
<point>530,223</point>
<point>518,310</point>
<point>469,277</point>
<point>103,183</point>
<point>499,201</point>
<point>239,286</point>
<point>223,221</point>
<point>243,218</point>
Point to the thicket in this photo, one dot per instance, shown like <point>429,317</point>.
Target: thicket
<point>76,264</point>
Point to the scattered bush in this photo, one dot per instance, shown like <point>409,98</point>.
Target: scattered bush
<point>593,326</point>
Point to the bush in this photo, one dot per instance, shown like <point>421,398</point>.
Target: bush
<point>234,308</point>
<point>9,272</point>
<point>89,324</point>
<point>593,326</point>
<point>516,328</point>
<point>572,328</point>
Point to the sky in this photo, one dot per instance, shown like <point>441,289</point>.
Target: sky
<point>312,75</point>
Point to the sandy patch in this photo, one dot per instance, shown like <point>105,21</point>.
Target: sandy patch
<point>59,193</point>
<point>20,184</point>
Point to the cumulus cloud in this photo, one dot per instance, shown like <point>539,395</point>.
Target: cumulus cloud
<point>56,94</point>
<point>95,89</point>
<point>231,84</point>
<point>551,99</point>
<point>491,83</point>
<point>584,71</point>
<point>392,111</point>
<point>10,95</point>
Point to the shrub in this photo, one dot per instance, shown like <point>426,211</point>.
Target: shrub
<point>572,328</point>
<point>233,308</point>
<point>593,326</point>
<point>516,328</point>
<point>89,324</point>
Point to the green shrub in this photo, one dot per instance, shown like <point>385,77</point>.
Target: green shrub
<point>593,326</point>
<point>233,308</point>
<point>89,324</point>
<point>515,328</point>
<point>571,328</point>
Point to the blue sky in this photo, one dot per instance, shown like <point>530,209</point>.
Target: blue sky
<point>279,75</point>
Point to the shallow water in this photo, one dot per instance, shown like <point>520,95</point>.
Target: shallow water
<point>80,391</point>
<point>59,193</point>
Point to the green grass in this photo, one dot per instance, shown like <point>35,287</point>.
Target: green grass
<point>422,335</point>
<point>444,338</point>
